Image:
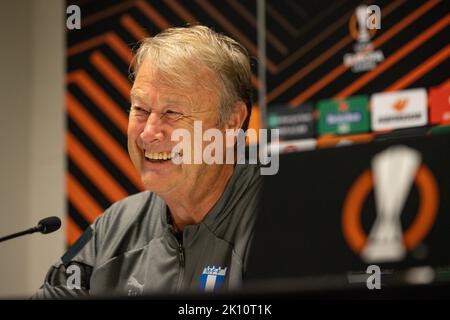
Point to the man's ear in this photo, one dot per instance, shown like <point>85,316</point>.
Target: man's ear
<point>238,116</point>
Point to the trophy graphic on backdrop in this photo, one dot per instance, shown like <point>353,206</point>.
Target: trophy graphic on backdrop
<point>361,17</point>
<point>394,171</point>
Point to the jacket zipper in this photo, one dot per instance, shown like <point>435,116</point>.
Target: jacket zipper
<point>182,262</point>
<point>181,254</point>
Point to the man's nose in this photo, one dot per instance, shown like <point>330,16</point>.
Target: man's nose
<point>153,130</point>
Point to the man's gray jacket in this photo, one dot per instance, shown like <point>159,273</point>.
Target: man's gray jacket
<point>132,249</point>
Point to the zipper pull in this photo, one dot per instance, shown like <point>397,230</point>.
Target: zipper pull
<point>181,254</point>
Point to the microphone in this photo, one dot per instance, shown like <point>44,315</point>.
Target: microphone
<point>46,225</point>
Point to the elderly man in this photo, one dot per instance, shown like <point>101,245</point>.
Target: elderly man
<point>191,229</point>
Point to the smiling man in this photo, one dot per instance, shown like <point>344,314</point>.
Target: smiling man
<point>192,227</point>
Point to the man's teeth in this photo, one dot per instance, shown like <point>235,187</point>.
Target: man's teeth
<point>158,155</point>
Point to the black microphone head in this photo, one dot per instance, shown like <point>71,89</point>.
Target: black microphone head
<point>49,224</point>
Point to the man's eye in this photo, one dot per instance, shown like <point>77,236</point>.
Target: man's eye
<point>173,115</point>
<point>138,111</point>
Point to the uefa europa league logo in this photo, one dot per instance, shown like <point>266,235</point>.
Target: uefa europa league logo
<point>392,175</point>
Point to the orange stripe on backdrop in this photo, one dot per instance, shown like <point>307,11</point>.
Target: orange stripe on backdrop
<point>416,14</point>
<point>153,15</point>
<point>308,46</point>
<point>86,45</point>
<point>305,95</point>
<point>133,27</point>
<point>399,54</point>
<point>281,21</point>
<point>321,59</point>
<point>181,12</point>
<point>255,118</point>
<point>308,68</point>
<point>234,31</point>
<point>108,12</point>
<point>93,170</point>
<point>418,72</point>
<point>82,200</point>
<point>102,139</point>
<point>120,47</point>
<point>255,82</point>
<point>100,98</point>
<point>302,97</point>
<point>255,124</point>
<point>111,73</point>
<point>110,39</point>
<point>73,231</point>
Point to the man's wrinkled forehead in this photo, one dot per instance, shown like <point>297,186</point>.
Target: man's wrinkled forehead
<point>179,73</point>
<point>184,84</point>
<point>151,95</point>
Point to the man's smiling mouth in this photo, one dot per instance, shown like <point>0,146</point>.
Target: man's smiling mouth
<point>161,156</point>
<point>158,155</point>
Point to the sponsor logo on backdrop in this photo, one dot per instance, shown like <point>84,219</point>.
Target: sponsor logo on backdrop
<point>293,123</point>
<point>291,146</point>
<point>344,116</point>
<point>363,26</point>
<point>394,172</point>
<point>397,110</point>
<point>439,101</point>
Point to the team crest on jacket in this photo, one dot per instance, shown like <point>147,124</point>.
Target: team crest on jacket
<point>212,278</point>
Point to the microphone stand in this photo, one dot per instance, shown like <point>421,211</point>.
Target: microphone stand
<point>18,234</point>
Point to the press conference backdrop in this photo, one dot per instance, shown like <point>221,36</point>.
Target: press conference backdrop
<point>323,68</point>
